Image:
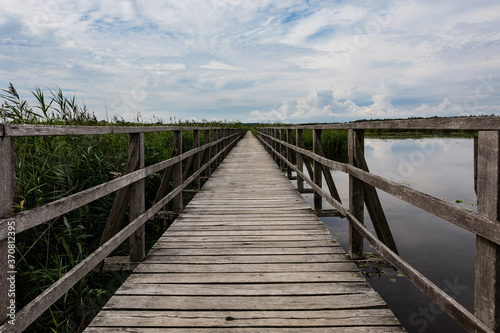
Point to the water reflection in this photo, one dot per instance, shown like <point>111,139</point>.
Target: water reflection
<point>443,252</point>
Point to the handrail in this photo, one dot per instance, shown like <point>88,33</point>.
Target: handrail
<point>213,152</point>
<point>486,227</point>
<point>484,123</point>
<point>25,130</point>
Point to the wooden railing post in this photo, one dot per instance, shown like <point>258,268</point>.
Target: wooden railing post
<point>215,137</point>
<point>219,145</point>
<point>196,158</point>
<point>7,192</point>
<point>299,141</point>
<point>289,154</point>
<point>273,144</point>
<point>208,170</point>
<point>356,195</point>
<point>177,170</point>
<point>487,282</point>
<point>137,203</point>
<point>317,175</point>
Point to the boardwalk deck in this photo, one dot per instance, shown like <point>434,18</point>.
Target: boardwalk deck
<point>247,255</point>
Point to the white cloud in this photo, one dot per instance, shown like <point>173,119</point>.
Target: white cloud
<point>219,65</point>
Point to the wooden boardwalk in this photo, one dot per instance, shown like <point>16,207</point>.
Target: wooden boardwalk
<point>247,255</point>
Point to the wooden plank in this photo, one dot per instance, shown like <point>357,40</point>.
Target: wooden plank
<point>487,282</point>
<point>491,123</point>
<point>19,130</point>
<point>326,318</point>
<point>166,257</point>
<point>356,195</point>
<point>317,302</point>
<point>177,171</point>
<point>317,175</point>
<point>246,238</point>
<point>299,140</point>
<point>246,268</point>
<point>201,249</point>
<point>7,190</point>
<point>271,289</point>
<point>200,233</point>
<point>347,329</point>
<point>331,243</point>
<point>137,199</point>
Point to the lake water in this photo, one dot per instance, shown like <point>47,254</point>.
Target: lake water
<point>443,252</point>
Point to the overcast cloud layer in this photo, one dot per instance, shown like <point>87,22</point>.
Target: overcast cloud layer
<point>289,60</point>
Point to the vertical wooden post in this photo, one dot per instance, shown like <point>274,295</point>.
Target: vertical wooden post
<point>356,195</point>
<point>215,137</point>
<point>300,162</point>
<point>196,158</point>
<point>226,142</point>
<point>177,170</point>
<point>7,192</point>
<point>219,146</point>
<point>487,282</point>
<point>318,176</point>
<point>209,156</point>
<point>289,152</point>
<point>137,203</point>
<point>274,144</point>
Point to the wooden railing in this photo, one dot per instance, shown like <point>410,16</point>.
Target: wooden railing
<point>131,193</point>
<point>362,191</point>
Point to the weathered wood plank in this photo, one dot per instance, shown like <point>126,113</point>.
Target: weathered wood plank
<point>356,195</point>
<point>269,289</point>
<point>17,130</point>
<point>487,282</point>
<point>200,249</point>
<point>168,258</point>
<point>199,233</point>
<point>137,199</point>
<point>246,268</point>
<point>326,318</point>
<point>347,329</point>
<point>317,302</point>
<point>7,190</point>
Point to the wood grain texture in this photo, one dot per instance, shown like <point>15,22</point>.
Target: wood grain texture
<point>7,193</point>
<point>247,252</point>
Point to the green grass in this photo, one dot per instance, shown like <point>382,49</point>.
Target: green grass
<point>50,168</point>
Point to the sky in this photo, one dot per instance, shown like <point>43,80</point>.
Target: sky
<point>288,61</point>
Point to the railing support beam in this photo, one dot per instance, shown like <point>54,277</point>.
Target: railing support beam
<point>137,203</point>
<point>356,194</point>
<point>317,174</point>
<point>299,141</point>
<point>177,171</point>
<point>487,282</point>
